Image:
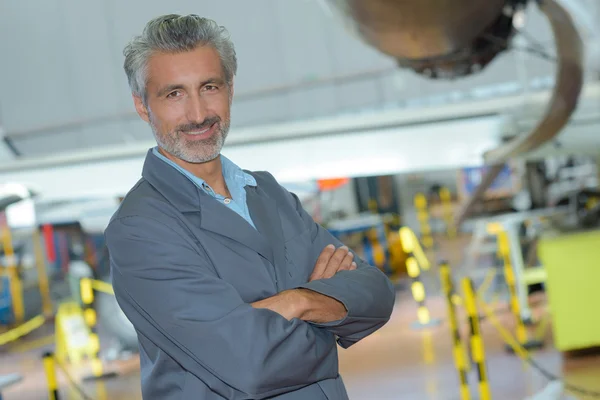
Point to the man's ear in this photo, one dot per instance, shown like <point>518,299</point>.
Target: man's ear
<point>141,109</point>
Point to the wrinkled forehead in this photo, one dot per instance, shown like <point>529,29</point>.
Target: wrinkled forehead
<point>191,67</point>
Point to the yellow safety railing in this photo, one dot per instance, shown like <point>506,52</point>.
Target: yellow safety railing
<point>473,302</point>
<point>476,340</point>
<point>16,289</point>
<point>22,330</point>
<point>51,362</point>
<point>446,199</point>
<point>87,288</point>
<point>40,263</point>
<point>410,245</point>
<point>423,217</point>
<point>50,370</point>
<point>509,276</point>
<point>458,350</point>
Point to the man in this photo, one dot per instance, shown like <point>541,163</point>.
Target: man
<point>234,291</point>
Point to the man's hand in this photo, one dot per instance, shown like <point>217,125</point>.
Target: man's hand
<point>304,304</point>
<point>331,261</point>
<point>288,304</point>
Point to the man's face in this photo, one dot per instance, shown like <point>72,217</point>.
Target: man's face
<point>188,103</point>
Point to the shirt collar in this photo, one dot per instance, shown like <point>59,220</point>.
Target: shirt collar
<point>230,169</point>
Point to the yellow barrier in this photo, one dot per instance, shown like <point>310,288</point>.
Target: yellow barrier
<point>460,358</point>
<point>423,217</point>
<point>487,281</point>
<point>87,287</point>
<point>410,246</point>
<point>87,296</point>
<point>50,369</point>
<point>40,263</point>
<point>476,342</point>
<point>471,300</point>
<point>101,286</point>
<point>73,338</point>
<point>22,330</point>
<point>446,199</point>
<point>522,336</point>
<point>16,289</point>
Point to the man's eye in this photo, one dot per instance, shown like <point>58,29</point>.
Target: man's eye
<point>210,87</point>
<point>174,94</point>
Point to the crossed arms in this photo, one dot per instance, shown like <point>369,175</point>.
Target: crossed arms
<point>240,350</point>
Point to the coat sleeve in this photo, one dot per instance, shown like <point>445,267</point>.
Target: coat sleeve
<point>367,293</point>
<point>172,295</point>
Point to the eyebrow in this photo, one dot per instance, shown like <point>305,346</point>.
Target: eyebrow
<point>177,86</point>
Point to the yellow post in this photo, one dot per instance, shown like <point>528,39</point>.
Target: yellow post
<point>372,205</point>
<point>89,314</point>
<point>50,368</point>
<point>504,250</point>
<point>509,276</point>
<point>446,199</point>
<point>423,217</point>
<point>476,342</point>
<point>460,357</point>
<point>379,255</point>
<point>42,276</point>
<point>16,289</point>
<point>409,245</point>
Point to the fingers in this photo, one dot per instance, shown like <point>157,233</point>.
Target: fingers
<point>340,260</point>
<point>332,260</point>
<point>322,261</point>
<point>347,262</point>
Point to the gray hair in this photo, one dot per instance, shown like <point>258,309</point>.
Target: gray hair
<point>174,33</point>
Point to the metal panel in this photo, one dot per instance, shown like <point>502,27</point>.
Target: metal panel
<point>352,96</point>
<point>305,46</point>
<point>86,137</point>
<point>35,72</point>
<point>261,110</point>
<point>314,102</point>
<point>94,87</point>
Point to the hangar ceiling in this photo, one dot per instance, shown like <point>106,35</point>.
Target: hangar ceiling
<point>64,90</point>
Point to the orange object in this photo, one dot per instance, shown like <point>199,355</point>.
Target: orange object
<point>331,184</point>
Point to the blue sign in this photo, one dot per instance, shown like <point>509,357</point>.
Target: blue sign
<point>472,177</point>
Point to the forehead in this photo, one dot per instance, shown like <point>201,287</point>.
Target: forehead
<point>184,68</point>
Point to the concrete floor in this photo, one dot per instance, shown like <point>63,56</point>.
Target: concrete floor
<point>397,362</point>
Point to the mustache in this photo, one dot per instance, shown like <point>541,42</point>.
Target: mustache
<point>196,126</point>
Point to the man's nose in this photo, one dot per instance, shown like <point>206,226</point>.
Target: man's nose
<point>196,109</point>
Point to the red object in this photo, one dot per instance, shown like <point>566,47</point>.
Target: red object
<point>48,233</point>
<point>331,184</point>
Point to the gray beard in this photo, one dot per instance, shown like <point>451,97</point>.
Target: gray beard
<point>195,152</point>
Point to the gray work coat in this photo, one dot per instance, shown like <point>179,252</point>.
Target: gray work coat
<point>185,269</point>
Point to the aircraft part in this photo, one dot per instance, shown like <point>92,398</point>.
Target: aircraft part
<point>455,38</point>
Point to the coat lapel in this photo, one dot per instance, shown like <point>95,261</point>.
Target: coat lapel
<point>265,215</point>
<point>214,216</point>
<point>218,218</point>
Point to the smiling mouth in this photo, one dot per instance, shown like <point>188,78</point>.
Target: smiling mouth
<point>201,133</point>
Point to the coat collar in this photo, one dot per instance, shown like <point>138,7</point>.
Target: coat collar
<point>182,193</point>
<point>187,197</point>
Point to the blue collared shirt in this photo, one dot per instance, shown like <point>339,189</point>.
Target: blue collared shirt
<point>235,178</point>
